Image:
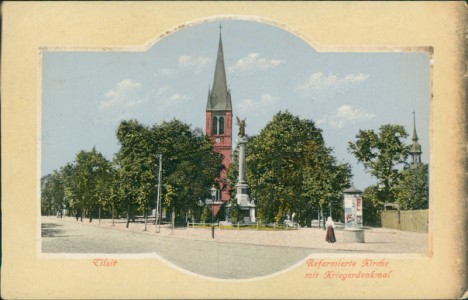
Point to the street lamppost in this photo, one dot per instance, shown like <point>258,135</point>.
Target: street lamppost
<point>214,196</point>
<point>214,193</point>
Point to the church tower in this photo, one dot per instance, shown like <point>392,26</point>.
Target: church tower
<point>415,150</point>
<point>218,117</point>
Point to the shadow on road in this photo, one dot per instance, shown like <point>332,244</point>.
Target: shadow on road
<point>50,229</point>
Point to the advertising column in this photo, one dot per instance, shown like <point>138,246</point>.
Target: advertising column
<point>353,208</point>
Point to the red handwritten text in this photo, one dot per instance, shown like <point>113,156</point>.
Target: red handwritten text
<point>99,262</point>
<point>346,269</point>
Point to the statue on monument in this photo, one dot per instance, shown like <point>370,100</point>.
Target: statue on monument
<point>241,124</point>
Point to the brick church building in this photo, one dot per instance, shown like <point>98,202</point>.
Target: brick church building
<point>218,114</point>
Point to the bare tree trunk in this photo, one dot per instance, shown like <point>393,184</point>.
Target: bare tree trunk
<point>321,216</point>
<point>173,218</point>
<point>99,214</point>
<point>146,218</point>
<point>113,224</point>
<point>128,215</point>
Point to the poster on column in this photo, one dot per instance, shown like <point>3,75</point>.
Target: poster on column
<point>93,92</point>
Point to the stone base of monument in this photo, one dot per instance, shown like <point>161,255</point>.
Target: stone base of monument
<point>353,235</point>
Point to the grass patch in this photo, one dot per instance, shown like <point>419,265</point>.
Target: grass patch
<point>242,227</point>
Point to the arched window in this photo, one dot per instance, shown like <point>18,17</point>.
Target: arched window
<point>221,125</point>
<point>214,124</point>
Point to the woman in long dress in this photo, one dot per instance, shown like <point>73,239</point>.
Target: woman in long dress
<point>330,225</point>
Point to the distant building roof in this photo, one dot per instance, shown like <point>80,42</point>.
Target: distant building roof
<point>352,190</point>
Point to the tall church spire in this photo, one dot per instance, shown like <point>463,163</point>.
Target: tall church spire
<point>218,120</point>
<point>220,97</point>
<point>415,150</point>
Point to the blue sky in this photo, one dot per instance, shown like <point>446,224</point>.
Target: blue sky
<point>85,95</point>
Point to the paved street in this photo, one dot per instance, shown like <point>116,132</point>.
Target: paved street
<point>231,254</point>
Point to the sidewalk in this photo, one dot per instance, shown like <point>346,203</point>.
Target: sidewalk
<point>377,240</point>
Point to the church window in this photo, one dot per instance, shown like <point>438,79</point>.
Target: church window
<point>221,125</point>
<point>214,130</point>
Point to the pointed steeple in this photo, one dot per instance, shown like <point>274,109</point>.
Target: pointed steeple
<point>219,99</point>
<point>415,150</point>
<point>415,135</point>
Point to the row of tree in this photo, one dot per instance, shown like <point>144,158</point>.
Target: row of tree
<point>127,185</point>
<point>288,167</point>
<point>290,170</point>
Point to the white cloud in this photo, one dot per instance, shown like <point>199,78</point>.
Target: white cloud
<point>167,72</point>
<point>253,62</point>
<point>265,103</point>
<point>127,99</point>
<point>186,64</point>
<point>320,87</point>
<point>193,62</point>
<point>167,96</point>
<point>344,115</point>
<point>126,93</point>
<point>178,98</point>
<point>121,101</point>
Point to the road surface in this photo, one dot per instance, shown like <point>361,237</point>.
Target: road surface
<point>206,257</point>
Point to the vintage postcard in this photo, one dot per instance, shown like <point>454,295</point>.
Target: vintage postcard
<point>224,150</point>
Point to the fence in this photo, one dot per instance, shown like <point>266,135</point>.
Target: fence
<point>406,220</point>
<point>242,226</point>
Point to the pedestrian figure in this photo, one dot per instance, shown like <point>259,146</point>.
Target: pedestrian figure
<point>77,215</point>
<point>330,237</point>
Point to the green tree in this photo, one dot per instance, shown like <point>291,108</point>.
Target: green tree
<point>205,215</point>
<point>290,170</point>
<point>373,202</point>
<point>53,193</point>
<point>383,154</point>
<point>85,181</point>
<point>103,183</point>
<point>70,189</point>
<point>412,191</point>
<point>116,191</point>
<point>137,161</point>
<point>324,179</point>
<point>234,211</point>
<point>189,166</point>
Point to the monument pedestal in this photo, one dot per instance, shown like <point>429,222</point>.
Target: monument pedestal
<point>246,205</point>
<point>353,235</point>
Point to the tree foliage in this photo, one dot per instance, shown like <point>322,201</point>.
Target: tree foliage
<point>383,154</point>
<point>137,163</point>
<point>53,194</point>
<point>80,186</point>
<point>189,168</point>
<point>373,204</point>
<point>91,184</point>
<point>189,165</point>
<point>87,181</point>
<point>412,191</point>
<point>290,170</point>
